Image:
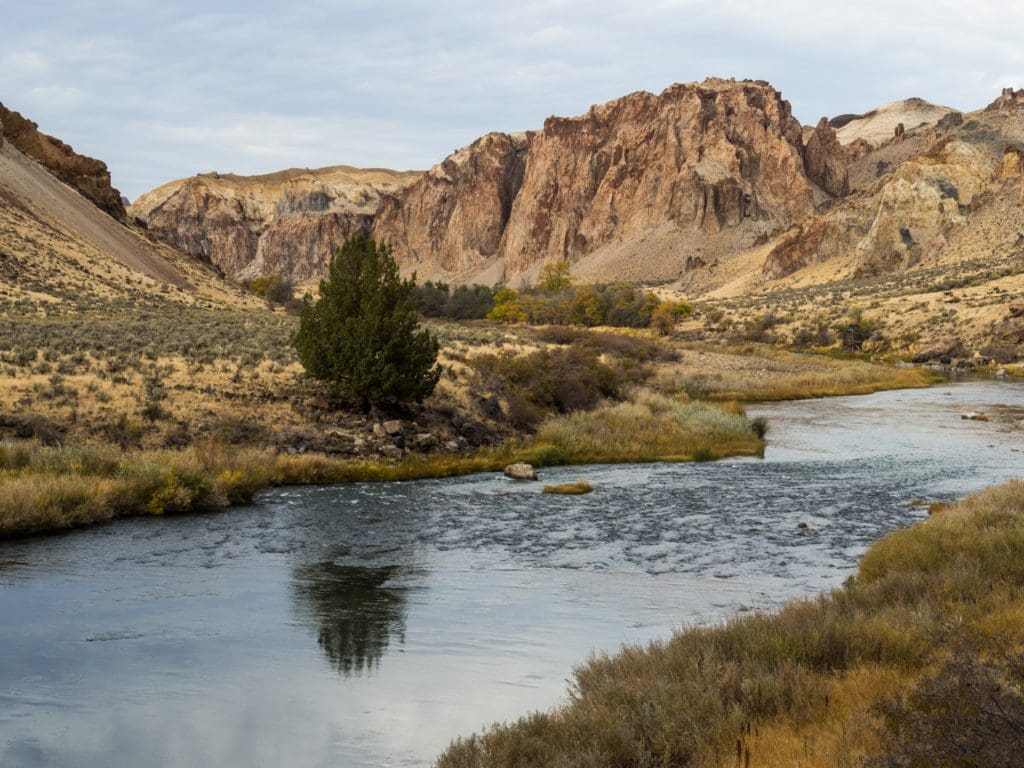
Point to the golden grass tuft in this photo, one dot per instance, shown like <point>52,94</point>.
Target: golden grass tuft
<point>575,488</point>
<point>44,489</point>
<point>652,428</point>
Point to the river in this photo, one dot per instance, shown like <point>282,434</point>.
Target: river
<point>367,625</point>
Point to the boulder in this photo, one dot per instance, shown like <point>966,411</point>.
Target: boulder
<point>521,471</point>
<point>391,451</point>
<point>974,416</point>
<point>392,427</point>
<point>941,350</point>
<point>424,441</point>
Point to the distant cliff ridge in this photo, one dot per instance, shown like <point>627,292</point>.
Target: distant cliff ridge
<point>703,184</point>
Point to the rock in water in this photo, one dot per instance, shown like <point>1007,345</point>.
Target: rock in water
<point>521,471</point>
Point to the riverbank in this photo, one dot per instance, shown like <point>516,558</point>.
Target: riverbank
<point>48,489</point>
<point>935,611</point>
<point>543,395</point>
<point>763,373</point>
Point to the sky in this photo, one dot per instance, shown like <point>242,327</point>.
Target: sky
<point>162,90</point>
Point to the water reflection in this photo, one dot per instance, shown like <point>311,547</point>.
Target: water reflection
<point>355,611</point>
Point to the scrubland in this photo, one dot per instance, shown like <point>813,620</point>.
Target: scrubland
<point>118,407</point>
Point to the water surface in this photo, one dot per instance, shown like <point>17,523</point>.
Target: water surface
<point>367,625</point>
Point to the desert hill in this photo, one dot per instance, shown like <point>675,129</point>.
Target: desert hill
<point>880,124</point>
<point>63,240</point>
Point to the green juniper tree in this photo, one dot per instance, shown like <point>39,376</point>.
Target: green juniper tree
<point>361,336</point>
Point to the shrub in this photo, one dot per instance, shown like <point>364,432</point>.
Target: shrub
<point>507,308</point>
<point>274,288</point>
<point>970,713</point>
<point>465,302</point>
<point>554,277</point>
<point>360,337</point>
<point>652,427</point>
<point>617,304</point>
<point>553,380</point>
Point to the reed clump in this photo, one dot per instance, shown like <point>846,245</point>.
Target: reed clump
<point>762,373</point>
<point>653,427</point>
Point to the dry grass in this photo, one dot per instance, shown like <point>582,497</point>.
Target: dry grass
<point>759,373</point>
<point>575,488</point>
<point>652,428</point>
<point>795,687</point>
<point>53,488</point>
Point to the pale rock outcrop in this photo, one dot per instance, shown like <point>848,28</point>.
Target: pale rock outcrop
<point>882,124</point>
<point>924,198</point>
<point>1012,164</point>
<point>286,223</point>
<point>1009,100</point>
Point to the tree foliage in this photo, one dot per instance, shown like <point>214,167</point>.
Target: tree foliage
<point>615,304</point>
<point>463,302</point>
<point>361,335</point>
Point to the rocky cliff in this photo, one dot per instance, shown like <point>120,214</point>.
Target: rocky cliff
<point>87,175</point>
<point>453,219</point>
<point>612,186</point>
<point>284,223</point>
<point>921,198</point>
<point>644,186</point>
<point>707,185</point>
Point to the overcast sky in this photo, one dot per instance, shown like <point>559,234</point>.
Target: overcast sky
<point>161,90</point>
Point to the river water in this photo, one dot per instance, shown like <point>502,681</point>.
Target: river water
<point>367,625</point>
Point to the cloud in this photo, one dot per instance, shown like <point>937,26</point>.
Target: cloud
<point>161,90</point>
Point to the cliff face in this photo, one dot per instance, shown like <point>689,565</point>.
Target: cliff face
<point>827,161</point>
<point>697,159</point>
<point>699,184</point>
<point>87,175</point>
<point>934,196</point>
<point>649,184</point>
<point>452,220</point>
<point>285,223</point>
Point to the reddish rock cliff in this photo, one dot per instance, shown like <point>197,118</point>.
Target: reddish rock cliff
<point>452,220</point>
<point>698,158</point>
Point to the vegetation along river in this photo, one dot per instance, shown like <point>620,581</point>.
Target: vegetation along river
<point>367,625</point>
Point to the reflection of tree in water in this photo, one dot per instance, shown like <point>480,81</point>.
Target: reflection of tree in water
<point>354,610</point>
